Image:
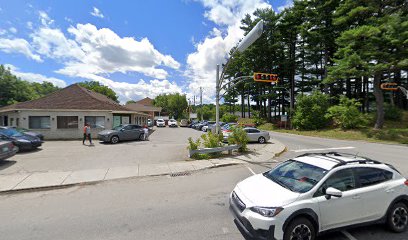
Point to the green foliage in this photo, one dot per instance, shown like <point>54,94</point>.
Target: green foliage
<point>174,104</point>
<point>211,140</point>
<point>239,137</point>
<point>14,90</point>
<point>310,111</point>
<point>130,101</point>
<point>194,145</point>
<point>227,117</point>
<point>258,120</point>
<point>100,88</point>
<point>346,115</point>
<point>393,113</point>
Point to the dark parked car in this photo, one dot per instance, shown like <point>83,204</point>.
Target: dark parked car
<point>7,149</point>
<point>122,133</point>
<point>29,132</point>
<point>21,140</point>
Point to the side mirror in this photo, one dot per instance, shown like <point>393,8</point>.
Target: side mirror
<point>333,192</point>
<point>122,129</point>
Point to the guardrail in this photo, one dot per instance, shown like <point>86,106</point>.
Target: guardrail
<point>228,148</point>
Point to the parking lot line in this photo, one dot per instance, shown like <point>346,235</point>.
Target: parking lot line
<point>348,235</point>
<point>250,169</point>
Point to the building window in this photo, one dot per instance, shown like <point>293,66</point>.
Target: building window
<point>67,122</point>
<point>36,122</point>
<point>17,122</point>
<point>11,122</point>
<point>95,122</point>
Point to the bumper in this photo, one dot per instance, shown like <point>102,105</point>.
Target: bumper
<point>103,138</point>
<point>172,125</point>
<point>246,227</point>
<point>253,224</point>
<point>9,154</point>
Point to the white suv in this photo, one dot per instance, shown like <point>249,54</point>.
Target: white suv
<point>317,192</point>
<point>173,123</point>
<point>160,123</point>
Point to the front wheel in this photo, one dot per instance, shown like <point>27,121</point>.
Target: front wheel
<point>114,139</point>
<point>261,140</point>
<point>300,229</point>
<point>397,219</point>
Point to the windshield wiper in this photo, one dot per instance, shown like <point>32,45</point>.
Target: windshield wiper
<point>281,183</point>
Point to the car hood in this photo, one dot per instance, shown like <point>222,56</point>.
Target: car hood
<point>26,137</point>
<point>107,132</point>
<point>263,192</point>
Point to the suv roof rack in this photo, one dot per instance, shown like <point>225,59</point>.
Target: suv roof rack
<point>341,162</point>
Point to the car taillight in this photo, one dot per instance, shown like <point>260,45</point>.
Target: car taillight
<point>406,182</point>
<point>11,146</point>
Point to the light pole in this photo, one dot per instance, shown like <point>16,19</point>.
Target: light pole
<point>247,41</point>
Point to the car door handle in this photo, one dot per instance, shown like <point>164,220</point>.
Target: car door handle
<point>389,191</point>
<point>356,197</point>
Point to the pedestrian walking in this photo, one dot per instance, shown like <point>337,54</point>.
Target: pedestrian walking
<point>146,133</point>
<point>87,134</point>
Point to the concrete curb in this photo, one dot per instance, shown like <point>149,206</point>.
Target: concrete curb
<point>33,182</point>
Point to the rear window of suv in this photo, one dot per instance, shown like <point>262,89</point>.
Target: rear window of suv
<point>370,176</point>
<point>296,176</point>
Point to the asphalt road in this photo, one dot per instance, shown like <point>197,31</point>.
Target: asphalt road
<point>186,207</point>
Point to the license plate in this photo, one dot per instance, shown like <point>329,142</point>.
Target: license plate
<point>5,149</point>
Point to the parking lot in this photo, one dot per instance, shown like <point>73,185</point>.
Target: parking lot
<point>164,145</point>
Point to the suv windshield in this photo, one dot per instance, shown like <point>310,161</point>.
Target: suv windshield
<point>296,176</point>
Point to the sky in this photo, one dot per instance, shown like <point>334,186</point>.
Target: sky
<point>138,48</point>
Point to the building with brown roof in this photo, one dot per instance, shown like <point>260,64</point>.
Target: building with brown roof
<point>62,114</point>
<point>145,106</point>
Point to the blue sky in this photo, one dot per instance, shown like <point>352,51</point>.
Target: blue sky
<point>138,48</point>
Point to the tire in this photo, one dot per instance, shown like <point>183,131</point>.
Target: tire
<point>114,139</point>
<point>397,218</point>
<point>300,229</point>
<point>141,137</point>
<point>261,140</point>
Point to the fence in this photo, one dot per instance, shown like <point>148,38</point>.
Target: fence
<point>213,150</point>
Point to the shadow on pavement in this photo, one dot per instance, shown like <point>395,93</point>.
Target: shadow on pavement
<point>25,152</point>
<point>6,163</point>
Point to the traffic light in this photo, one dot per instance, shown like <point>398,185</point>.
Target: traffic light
<point>265,77</point>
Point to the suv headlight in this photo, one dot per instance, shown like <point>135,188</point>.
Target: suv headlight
<point>267,211</point>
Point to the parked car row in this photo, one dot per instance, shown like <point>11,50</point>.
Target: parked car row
<point>13,140</point>
<point>254,134</point>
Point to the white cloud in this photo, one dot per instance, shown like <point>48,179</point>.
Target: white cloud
<point>29,25</point>
<point>100,51</point>
<point>3,31</point>
<point>135,91</point>
<point>288,4</point>
<point>45,19</point>
<point>35,77</point>
<point>13,30</point>
<point>18,45</point>
<point>97,13</point>
<point>213,50</point>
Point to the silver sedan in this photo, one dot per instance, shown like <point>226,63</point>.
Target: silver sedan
<point>254,135</point>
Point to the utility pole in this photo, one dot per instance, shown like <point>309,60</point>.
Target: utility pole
<point>201,102</point>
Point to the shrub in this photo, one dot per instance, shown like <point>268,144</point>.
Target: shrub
<point>310,111</point>
<point>211,140</point>
<point>258,120</point>
<point>392,113</point>
<point>227,117</point>
<point>346,115</point>
<point>239,137</point>
<point>194,145</point>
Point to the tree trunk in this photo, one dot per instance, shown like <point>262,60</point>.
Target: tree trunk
<point>379,100</point>
<point>249,105</point>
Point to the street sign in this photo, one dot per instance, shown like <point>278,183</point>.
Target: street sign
<point>265,77</point>
<point>389,86</point>
<point>284,118</point>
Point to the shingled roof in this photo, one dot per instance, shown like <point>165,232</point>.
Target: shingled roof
<point>73,97</point>
<point>142,108</point>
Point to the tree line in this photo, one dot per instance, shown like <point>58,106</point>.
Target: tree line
<point>14,89</point>
<point>337,47</point>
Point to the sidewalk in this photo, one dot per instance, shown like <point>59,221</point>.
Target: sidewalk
<point>47,180</point>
